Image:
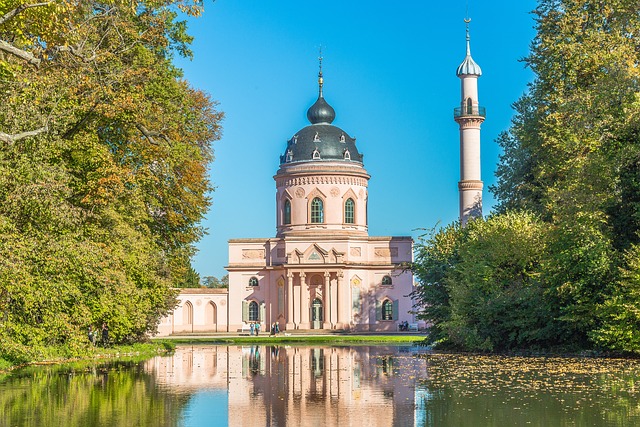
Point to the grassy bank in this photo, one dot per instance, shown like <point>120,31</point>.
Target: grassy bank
<point>304,339</point>
<point>137,350</point>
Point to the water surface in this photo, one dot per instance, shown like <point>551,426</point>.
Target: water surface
<point>325,386</point>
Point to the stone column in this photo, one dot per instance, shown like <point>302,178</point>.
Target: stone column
<point>290,301</point>
<point>328,321</point>
<point>343,304</point>
<point>304,303</point>
<point>335,301</point>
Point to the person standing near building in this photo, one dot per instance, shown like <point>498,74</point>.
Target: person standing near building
<point>252,327</point>
<point>105,334</point>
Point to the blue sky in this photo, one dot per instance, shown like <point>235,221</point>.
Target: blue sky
<point>389,72</point>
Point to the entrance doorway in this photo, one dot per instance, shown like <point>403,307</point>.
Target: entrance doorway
<point>316,314</point>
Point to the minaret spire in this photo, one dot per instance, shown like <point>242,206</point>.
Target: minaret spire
<point>466,21</point>
<point>469,116</point>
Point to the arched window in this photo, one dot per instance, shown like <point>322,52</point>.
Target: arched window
<point>211,314</point>
<point>253,311</point>
<point>387,310</point>
<point>386,281</point>
<point>317,211</point>
<point>316,154</point>
<point>187,315</point>
<point>469,106</point>
<point>346,155</point>
<point>253,281</point>
<point>349,209</point>
<point>287,212</point>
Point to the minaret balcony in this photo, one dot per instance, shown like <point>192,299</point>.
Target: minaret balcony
<point>469,112</point>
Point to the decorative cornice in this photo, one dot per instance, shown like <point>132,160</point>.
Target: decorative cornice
<point>470,185</point>
<point>469,122</point>
<point>326,169</point>
<point>283,181</point>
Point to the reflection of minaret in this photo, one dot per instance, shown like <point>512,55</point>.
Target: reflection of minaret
<point>469,116</point>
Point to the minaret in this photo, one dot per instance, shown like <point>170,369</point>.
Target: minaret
<point>469,116</point>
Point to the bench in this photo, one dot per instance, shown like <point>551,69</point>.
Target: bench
<point>410,327</point>
<point>245,328</point>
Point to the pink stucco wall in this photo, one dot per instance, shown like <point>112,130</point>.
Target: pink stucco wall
<point>198,310</point>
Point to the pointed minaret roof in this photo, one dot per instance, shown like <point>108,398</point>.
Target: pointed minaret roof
<point>320,111</point>
<point>468,66</point>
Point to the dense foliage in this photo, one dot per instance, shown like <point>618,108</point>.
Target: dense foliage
<point>103,169</point>
<point>558,264</point>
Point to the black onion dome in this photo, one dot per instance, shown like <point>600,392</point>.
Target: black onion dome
<point>321,142</point>
<point>321,112</point>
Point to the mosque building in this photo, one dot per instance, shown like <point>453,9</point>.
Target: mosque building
<point>322,270</point>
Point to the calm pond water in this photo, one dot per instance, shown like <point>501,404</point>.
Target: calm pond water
<point>326,386</point>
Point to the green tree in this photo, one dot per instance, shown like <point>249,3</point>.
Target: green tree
<point>436,254</point>
<point>190,280</point>
<point>619,328</point>
<point>571,156</point>
<point>103,169</point>
<point>481,287</point>
<point>214,282</point>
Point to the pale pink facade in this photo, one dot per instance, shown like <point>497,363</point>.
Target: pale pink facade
<point>198,310</point>
<point>326,282</point>
<point>322,271</point>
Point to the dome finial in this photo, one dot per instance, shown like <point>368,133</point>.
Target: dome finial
<point>468,66</point>
<point>320,80</point>
<point>466,21</point>
<point>321,112</point>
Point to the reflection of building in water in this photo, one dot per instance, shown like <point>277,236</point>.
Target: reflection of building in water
<point>328,386</point>
<point>191,368</point>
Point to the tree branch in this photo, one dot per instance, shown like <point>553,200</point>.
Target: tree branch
<point>150,135</point>
<point>9,48</point>
<point>10,139</point>
<point>18,10</point>
<point>22,54</point>
<point>78,53</point>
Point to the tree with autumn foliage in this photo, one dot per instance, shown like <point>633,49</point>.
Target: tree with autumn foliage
<point>103,169</point>
<point>571,158</point>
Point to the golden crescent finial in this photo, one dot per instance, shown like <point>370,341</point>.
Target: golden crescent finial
<point>467,20</point>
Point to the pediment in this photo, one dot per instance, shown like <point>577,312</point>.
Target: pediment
<point>286,195</point>
<point>336,257</point>
<point>295,257</point>
<point>350,194</point>
<point>316,193</point>
<point>316,255</point>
